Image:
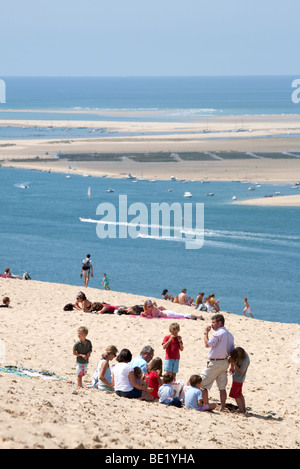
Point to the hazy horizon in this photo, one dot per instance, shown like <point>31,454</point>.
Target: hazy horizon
<point>134,38</point>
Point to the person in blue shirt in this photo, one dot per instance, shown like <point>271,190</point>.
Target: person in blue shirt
<point>143,359</point>
<point>193,397</point>
<point>166,392</point>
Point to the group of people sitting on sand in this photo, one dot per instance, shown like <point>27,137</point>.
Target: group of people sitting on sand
<point>149,309</point>
<point>145,377</point>
<point>209,303</point>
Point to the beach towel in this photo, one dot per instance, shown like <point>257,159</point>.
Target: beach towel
<point>134,316</point>
<point>31,373</point>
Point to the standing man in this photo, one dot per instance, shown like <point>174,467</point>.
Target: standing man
<point>221,344</point>
<point>87,269</point>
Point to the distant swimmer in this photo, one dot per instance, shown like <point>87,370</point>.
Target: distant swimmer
<point>247,308</point>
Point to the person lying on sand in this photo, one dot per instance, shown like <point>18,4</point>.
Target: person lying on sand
<point>151,311</point>
<point>133,310</point>
<point>82,303</point>
<point>8,274</point>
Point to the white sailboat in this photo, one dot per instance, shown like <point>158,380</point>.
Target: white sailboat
<point>89,193</point>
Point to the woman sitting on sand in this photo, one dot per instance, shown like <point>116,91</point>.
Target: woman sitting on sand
<point>102,376</point>
<point>151,311</point>
<point>212,304</point>
<point>199,302</point>
<point>166,296</point>
<point>82,303</point>
<point>123,379</point>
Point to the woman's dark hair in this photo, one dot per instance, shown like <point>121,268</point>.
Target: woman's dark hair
<point>81,295</point>
<point>124,356</point>
<point>165,292</point>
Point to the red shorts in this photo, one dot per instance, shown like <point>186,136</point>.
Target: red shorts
<point>236,390</point>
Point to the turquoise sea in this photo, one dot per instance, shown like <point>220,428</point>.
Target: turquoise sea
<point>248,251</point>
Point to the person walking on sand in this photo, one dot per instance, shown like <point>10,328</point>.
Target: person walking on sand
<point>105,282</point>
<point>247,308</point>
<point>221,345</point>
<point>87,269</point>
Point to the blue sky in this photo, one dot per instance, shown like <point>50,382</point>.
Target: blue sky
<point>154,38</point>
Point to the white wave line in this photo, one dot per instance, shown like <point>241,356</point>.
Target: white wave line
<point>242,235</point>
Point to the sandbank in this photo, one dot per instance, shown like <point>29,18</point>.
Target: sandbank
<point>278,201</point>
<point>41,413</point>
<point>257,137</point>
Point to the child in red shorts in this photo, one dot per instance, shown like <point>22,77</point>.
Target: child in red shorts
<point>239,361</point>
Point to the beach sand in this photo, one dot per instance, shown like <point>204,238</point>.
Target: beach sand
<point>38,413</point>
<point>279,201</point>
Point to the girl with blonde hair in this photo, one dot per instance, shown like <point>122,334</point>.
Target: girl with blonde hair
<point>102,376</point>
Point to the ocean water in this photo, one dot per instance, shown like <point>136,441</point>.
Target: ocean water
<point>155,98</point>
<point>248,251</point>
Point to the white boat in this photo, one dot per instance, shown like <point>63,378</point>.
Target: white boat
<point>234,197</point>
<point>187,194</point>
<point>110,190</point>
<point>129,176</point>
<point>89,193</point>
<point>68,177</point>
<point>173,178</point>
<point>24,185</point>
<point>170,190</point>
<point>251,188</point>
<point>210,193</point>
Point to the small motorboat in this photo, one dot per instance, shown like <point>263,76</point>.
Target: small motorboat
<point>187,195</point>
<point>110,190</point>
